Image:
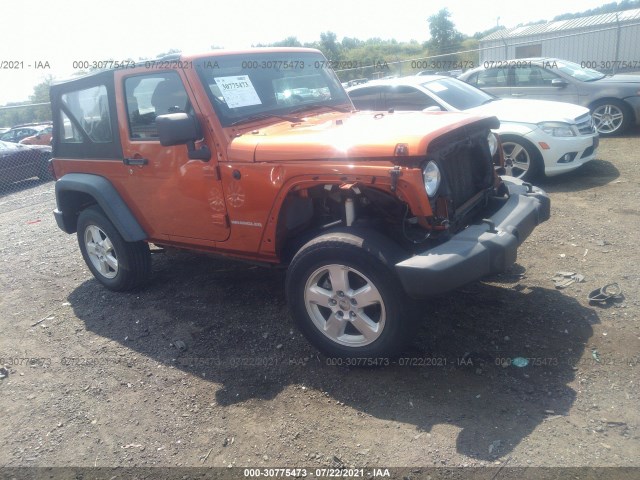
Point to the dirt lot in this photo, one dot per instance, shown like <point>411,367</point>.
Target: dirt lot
<point>204,368</point>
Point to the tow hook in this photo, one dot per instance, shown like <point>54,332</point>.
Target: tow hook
<point>529,187</point>
<point>491,224</point>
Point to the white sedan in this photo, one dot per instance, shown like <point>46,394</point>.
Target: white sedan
<point>538,137</point>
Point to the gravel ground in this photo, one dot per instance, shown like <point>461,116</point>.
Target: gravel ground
<point>204,368</point>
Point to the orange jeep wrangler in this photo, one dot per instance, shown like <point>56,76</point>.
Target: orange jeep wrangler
<point>259,155</point>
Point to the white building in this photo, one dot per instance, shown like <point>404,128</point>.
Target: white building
<point>604,42</point>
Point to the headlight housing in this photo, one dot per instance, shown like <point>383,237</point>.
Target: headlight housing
<point>557,129</point>
<point>431,177</point>
<point>493,143</point>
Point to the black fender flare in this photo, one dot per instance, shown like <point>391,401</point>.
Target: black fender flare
<point>104,194</point>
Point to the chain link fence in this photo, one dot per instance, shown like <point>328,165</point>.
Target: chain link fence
<point>23,167</point>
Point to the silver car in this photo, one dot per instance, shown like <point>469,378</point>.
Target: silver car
<point>614,100</point>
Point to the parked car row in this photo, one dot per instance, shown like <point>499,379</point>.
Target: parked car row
<point>28,134</point>
<point>538,137</point>
<point>614,100</point>
<point>20,162</point>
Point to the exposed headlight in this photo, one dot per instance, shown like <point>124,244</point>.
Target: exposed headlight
<point>431,176</point>
<point>557,129</point>
<point>493,143</point>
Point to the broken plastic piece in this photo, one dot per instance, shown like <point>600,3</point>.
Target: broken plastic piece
<point>564,279</point>
<point>606,293</point>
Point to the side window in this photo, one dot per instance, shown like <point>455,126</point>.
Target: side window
<point>69,133</point>
<point>369,98</point>
<point>492,77</point>
<point>408,99</point>
<point>473,78</point>
<point>90,109</point>
<point>149,96</point>
<point>533,76</point>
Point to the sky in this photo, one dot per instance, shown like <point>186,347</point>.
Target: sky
<point>55,33</point>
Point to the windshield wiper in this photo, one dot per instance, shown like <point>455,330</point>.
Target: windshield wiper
<point>262,116</point>
<point>313,106</point>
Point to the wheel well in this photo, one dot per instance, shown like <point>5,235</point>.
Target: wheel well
<point>75,191</point>
<point>72,203</point>
<point>317,210</point>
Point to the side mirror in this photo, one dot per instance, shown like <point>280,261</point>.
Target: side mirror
<point>181,128</point>
<point>558,82</point>
<point>433,108</point>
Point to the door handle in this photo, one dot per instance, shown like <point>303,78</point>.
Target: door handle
<point>517,94</point>
<point>135,161</point>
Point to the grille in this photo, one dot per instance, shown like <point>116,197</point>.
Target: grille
<point>585,124</point>
<point>466,173</point>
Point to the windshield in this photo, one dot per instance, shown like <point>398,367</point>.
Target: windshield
<point>246,87</point>
<point>458,94</point>
<point>576,71</point>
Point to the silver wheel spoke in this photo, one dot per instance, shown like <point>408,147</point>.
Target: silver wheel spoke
<point>367,327</point>
<point>91,249</point>
<point>111,261</point>
<point>318,295</point>
<point>366,296</point>
<point>103,266</point>
<point>339,278</point>
<point>95,234</point>
<point>108,246</point>
<point>517,149</point>
<point>334,327</point>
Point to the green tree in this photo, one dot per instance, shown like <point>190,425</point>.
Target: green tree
<point>330,46</point>
<point>444,36</point>
<point>288,42</point>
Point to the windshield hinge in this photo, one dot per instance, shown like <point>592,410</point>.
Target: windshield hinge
<point>395,175</point>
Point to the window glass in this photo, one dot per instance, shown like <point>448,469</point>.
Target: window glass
<point>533,76</point>
<point>473,78</point>
<point>90,109</point>
<point>69,133</point>
<point>149,96</point>
<point>493,77</point>
<point>369,98</point>
<point>458,94</point>
<point>408,99</point>
<point>243,88</point>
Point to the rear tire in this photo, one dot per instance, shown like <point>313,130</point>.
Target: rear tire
<point>611,117</point>
<point>346,299</point>
<point>117,264</point>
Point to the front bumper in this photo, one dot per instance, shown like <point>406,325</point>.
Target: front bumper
<point>476,251</point>
<point>584,147</point>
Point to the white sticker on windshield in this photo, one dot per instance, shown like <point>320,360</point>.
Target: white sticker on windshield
<point>238,91</point>
<point>436,87</point>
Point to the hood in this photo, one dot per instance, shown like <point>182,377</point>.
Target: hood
<point>619,78</point>
<point>531,111</point>
<point>349,135</point>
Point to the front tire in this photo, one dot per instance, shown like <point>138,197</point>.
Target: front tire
<point>521,158</point>
<point>117,264</point>
<point>345,298</point>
